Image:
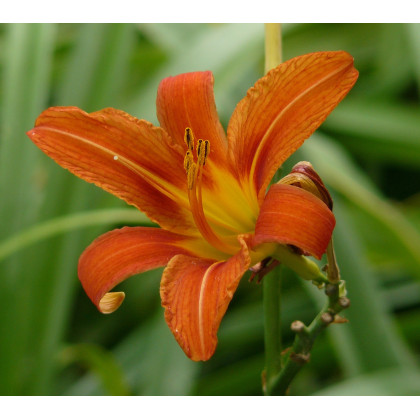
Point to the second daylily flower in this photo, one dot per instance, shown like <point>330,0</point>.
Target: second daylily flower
<point>207,190</point>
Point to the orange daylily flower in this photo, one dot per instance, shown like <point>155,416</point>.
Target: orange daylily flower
<point>207,190</point>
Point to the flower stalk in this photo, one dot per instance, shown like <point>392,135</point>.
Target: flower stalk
<point>305,337</point>
<point>272,326</point>
<point>272,282</point>
<point>273,51</point>
<point>281,367</point>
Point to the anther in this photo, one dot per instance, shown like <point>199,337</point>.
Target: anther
<point>189,138</point>
<point>200,142</point>
<point>203,150</point>
<point>188,160</point>
<point>206,150</point>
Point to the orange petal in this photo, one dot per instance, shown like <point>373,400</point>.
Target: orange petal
<point>130,158</point>
<point>187,100</point>
<point>195,294</point>
<point>121,253</point>
<point>290,215</point>
<point>283,109</point>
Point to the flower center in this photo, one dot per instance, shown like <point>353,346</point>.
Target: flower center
<point>194,170</point>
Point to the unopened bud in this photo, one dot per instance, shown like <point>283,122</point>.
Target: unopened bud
<point>304,176</point>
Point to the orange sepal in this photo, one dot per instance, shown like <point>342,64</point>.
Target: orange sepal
<point>128,157</point>
<point>121,253</point>
<point>195,294</point>
<point>283,109</point>
<point>290,215</point>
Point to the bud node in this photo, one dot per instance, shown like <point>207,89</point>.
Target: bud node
<point>344,302</point>
<point>297,326</point>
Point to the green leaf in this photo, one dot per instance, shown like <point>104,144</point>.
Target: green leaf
<point>388,382</point>
<point>69,223</point>
<point>99,361</point>
<point>386,132</point>
<point>28,50</point>
<point>152,362</point>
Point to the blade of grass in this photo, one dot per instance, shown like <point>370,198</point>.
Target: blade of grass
<point>25,81</point>
<point>95,74</point>
<point>387,382</point>
<point>99,361</point>
<point>94,62</point>
<point>413,35</point>
<point>214,48</point>
<point>171,37</point>
<point>152,362</point>
<point>64,224</point>
<point>28,47</point>
<point>388,132</point>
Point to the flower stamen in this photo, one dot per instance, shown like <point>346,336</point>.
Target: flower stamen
<point>189,138</point>
<point>194,177</point>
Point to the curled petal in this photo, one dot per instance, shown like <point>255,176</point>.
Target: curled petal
<point>195,294</point>
<point>187,100</point>
<point>283,109</point>
<point>121,253</point>
<point>128,157</point>
<point>290,215</point>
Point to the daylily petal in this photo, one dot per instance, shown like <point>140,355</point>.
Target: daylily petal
<point>128,157</point>
<point>187,100</point>
<point>195,294</point>
<point>283,109</point>
<point>293,216</point>
<point>121,253</point>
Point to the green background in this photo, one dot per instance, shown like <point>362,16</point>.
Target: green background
<point>53,341</point>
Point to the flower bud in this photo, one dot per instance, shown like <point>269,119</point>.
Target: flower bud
<point>304,176</point>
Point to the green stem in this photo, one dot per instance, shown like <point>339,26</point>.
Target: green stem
<point>272,326</point>
<point>272,45</point>
<point>272,282</point>
<point>299,354</point>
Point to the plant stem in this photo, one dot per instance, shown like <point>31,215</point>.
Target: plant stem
<point>272,326</point>
<point>272,282</point>
<point>299,354</point>
<point>272,45</point>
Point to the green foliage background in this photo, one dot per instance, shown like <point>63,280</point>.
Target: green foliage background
<point>53,341</point>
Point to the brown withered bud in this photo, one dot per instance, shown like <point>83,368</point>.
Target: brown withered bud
<point>300,358</point>
<point>304,176</point>
<point>262,268</point>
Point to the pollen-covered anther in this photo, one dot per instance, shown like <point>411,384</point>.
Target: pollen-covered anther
<point>188,161</point>
<point>203,150</point>
<point>189,138</point>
